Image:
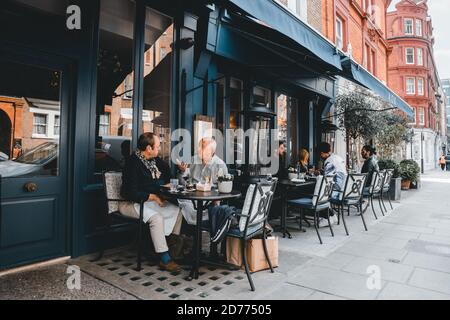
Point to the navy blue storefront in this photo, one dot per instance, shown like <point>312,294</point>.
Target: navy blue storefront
<point>136,66</point>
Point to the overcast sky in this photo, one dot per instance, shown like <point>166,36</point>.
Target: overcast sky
<point>439,10</point>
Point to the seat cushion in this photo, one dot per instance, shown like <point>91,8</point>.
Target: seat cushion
<point>236,232</point>
<point>366,192</point>
<point>349,202</point>
<point>307,203</point>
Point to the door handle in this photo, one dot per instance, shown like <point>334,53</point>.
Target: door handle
<point>30,187</point>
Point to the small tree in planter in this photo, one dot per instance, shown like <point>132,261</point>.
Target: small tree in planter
<point>360,115</point>
<point>395,189</point>
<point>410,172</point>
<point>394,132</point>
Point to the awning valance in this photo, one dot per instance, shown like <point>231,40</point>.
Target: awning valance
<point>274,16</point>
<point>356,73</point>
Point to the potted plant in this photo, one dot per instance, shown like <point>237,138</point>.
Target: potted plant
<point>292,173</point>
<point>225,183</point>
<point>396,182</point>
<point>409,172</point>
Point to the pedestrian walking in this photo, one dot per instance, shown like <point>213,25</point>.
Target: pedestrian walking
<point>442,162</point>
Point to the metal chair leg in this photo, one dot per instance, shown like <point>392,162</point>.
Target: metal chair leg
<point>362,217</point>
<point>382,201</point>
<point>266,253</point>
<point>379,203</point>
<point>316,226</point>
<point>343,220</point>
<point>247,271</point>
<point>389,198</point>
<point>373,209</point>
<point>339,215</point>
<point>329,223</point>
<point>139,252</point>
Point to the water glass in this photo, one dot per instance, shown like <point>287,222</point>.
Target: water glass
<point>173,185</point>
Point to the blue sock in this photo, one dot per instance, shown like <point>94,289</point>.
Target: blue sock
<point>165,257</point>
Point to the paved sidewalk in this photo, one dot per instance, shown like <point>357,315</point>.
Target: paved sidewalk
<point>409,249</point>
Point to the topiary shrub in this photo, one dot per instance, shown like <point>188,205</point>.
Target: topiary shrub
<point>386,164</point>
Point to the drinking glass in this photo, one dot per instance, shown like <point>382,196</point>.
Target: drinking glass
<point>173,185</point>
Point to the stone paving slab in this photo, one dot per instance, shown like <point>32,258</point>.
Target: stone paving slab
<point>431,280</point>
<point>339,283</point>
<point>396,291</point>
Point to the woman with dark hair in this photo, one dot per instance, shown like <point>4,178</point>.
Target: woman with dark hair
<point>370,165</point>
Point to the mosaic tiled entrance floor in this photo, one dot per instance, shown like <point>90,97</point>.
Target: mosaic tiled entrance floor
<point>118,269</point>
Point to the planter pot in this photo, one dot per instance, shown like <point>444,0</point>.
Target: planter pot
<point>406,184</point>
<point>292,176</point>
<point>225,186</point>
<point>396,189</point>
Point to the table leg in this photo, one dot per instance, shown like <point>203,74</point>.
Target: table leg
<point>197,241</point>
<point>284,210</point>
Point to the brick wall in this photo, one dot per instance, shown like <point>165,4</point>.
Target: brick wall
<point>315,14</point>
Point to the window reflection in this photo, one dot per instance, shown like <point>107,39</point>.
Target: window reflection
<point>30,111</point>
<point>114,121</point>
<point>158,78</point>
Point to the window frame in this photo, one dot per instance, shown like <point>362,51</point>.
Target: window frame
<point>405,20</point>
<point>420,61</point>
<point>421,89</point>
<point>413,55</point>
<point>407,86</point>
<point>421,114</point>
<point>342,38</point>
<point>419,22</point>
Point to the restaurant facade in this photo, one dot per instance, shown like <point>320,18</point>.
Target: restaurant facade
<point>81,80</point>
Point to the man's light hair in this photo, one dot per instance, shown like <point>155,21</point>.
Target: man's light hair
<point>209,142</point>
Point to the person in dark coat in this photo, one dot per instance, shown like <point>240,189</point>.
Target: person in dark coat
<point>370,164</point>
<point>143,175</point>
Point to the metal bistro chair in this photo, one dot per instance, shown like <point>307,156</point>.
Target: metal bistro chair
<point>387,187</point>
<point>253,219</point>
<point>350,196</point>
<point>318,203</point>
<point>112,183</point>
<point>374,191</point>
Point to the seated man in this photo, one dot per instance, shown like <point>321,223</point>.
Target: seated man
<point>333,164</point>
<point>370,164</point>
<point>143,175</point>
<point>205,166</point>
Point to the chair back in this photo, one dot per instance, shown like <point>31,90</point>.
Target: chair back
<point>354,186</point>
<point>323,190</point>
<point>112,183</point>
<point>377,182</point>
<point>387,179</point>
<point>258,201</point>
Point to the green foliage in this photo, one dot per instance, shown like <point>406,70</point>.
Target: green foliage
<point>393,131</point>
<point>359,114</point>
<point>385,164</point>
<point>410,170</point>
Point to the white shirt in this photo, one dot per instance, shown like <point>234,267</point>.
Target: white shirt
<point>336,165</point>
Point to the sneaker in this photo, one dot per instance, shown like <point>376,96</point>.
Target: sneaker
<point>172,266</point>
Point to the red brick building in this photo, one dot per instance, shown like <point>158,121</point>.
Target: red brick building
<point>358,27</point>
<point>413,75</point>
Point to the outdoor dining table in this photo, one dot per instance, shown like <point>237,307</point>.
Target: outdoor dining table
<point>300,189</point>
<point>201,201</point>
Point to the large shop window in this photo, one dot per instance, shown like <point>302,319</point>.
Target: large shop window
<point>228,111</point>
<point>114,121</point>
<point>158,78</point>
<point>115,87</point>
<point>287,113</point>
<point>30,107</point>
